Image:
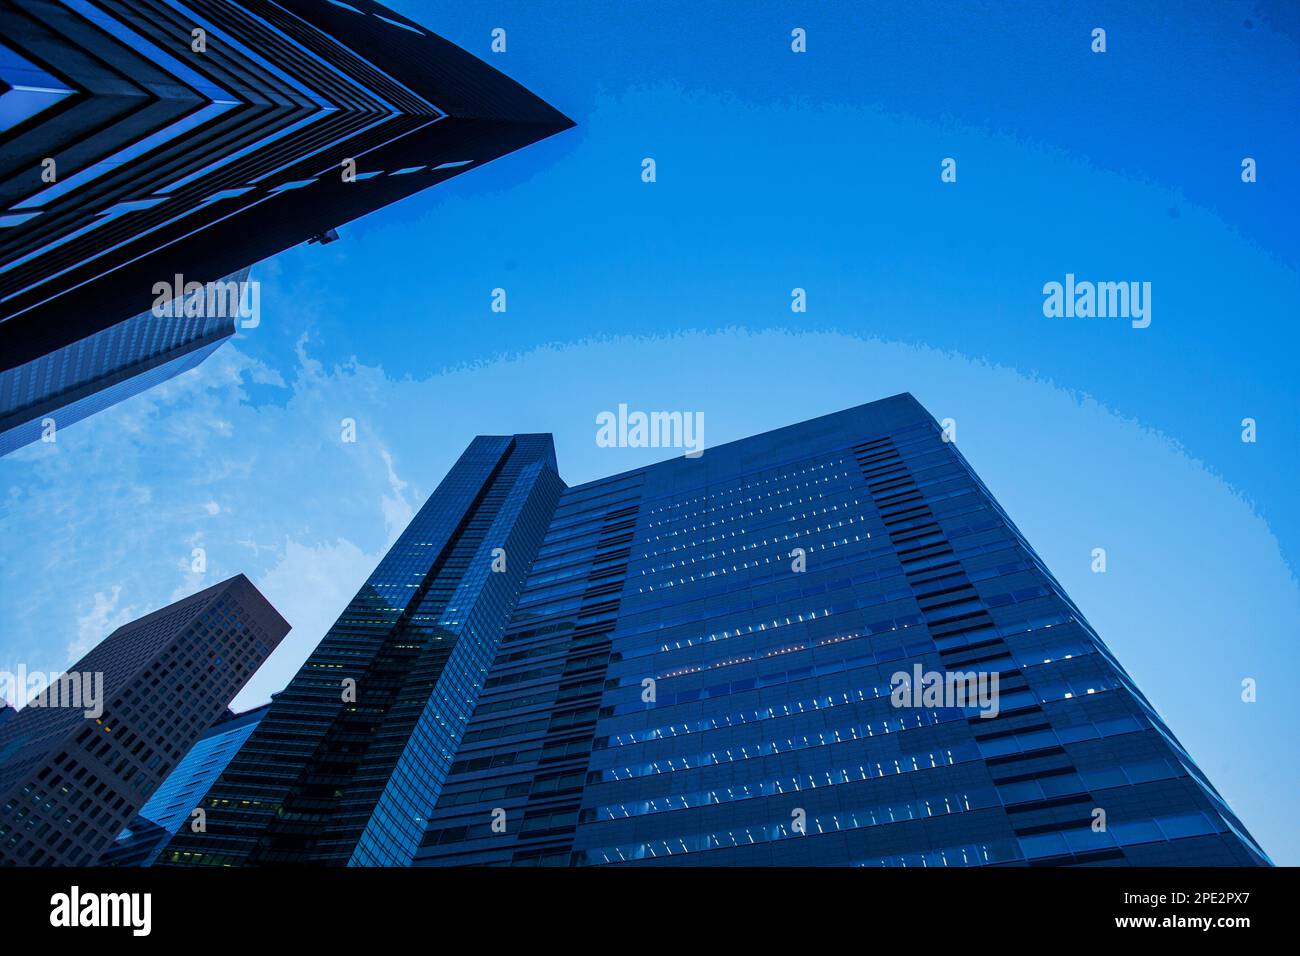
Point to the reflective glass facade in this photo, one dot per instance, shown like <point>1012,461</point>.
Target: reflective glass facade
<point>348,762</point>
<point>703,668</point>
<point>173,803</point>
<point>97,372</point>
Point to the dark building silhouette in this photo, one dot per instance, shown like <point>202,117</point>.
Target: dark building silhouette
<point>173,804</point>
<point>76,764</point>
<point>347,763</point>
<point>145,142</point>
<point>776,653</point>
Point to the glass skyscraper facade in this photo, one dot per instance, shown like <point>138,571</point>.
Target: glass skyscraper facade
<point>348,762</point>
<point>97,372</point>
<point>174,802</point>
<point>704,668</point>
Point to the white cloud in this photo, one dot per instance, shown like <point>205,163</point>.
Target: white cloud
<point>396,509</point>
<point>102,619</point>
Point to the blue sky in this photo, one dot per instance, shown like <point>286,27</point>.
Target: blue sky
<point>776,171</point>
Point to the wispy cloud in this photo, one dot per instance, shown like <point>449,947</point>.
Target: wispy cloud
<point>103,617</point>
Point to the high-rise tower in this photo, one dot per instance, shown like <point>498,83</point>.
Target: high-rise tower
<point>826,644</point>
<point>348,762</point>
<point>85,754</point>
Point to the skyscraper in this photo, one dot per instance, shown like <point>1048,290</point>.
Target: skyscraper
<point>747,659</point>
<point>826,644</point>
<point>174,803</point>
<point>144,142</point>
<point>83,756</point>
<point>348,762</point>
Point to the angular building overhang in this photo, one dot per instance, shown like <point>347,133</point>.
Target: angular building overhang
<point>172,160</point>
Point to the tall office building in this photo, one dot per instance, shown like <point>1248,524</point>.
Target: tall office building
<point>699,662</point>
<point>703,669</point>
<point>174,803</point>
<point>349,760</point>
<point>83,756</point>
<point>144,141</point>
